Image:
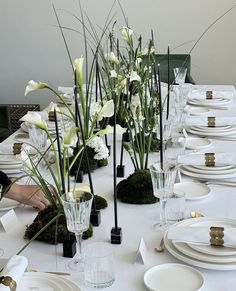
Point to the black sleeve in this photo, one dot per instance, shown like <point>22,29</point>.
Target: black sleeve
<point>4,180</point>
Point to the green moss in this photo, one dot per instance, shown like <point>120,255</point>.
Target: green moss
<point>81,161</point>
<point>100,202</point>
<point>56,233</point>
<point>137,188</point>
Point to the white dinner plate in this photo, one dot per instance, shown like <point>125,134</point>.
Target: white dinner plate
<point>195,254</point>
<point>193,190</point>
<point>10,166</point>
<point>35,280</point>
<point>210,171</point>
<point>7,204</point>
<point>216,130</point>
<point>197,143</point>
<point>216,102</point>
<point>9,159</point>
<point>198,111</point>
<point>207,252</point>
<point>185,170</point>
<point>174,277</point>
<point>192,130</point>
<point>12,171</point>
<point>195,262</point>
<point>215,168</point>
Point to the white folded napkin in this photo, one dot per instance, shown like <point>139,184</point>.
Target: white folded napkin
<point>200,235</point>
<point>7,149</point>
<point>203,121</point>
<point>198,159</point>
<point>14,268</point>
<point>199,94</point>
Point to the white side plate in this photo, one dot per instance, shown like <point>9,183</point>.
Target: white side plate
<point>193,190</point>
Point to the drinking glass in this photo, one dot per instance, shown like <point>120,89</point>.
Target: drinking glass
<point>180,75</point>
<point>163,179</point>
<point>38,137</point>
<point>99,265</point>
<point>77,208</point>
<point>175,207</point>
<point>174,147</point>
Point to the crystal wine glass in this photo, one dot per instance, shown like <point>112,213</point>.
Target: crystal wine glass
<point>163,179</point>
<point>77,208</point>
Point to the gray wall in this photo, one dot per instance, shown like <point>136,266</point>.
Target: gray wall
<point>31,46</point>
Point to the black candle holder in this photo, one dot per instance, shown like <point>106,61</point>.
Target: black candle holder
<point>120,171</point>
<point>95,217</point>
<point>116,235</point>
<point>79,177</point>
<point>69,247</point>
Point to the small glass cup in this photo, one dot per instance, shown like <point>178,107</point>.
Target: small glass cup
<point>38,137</point>
<point>174,147</point>
<point>180,75</point>
<point>175,209</point>
<point>99,265</point>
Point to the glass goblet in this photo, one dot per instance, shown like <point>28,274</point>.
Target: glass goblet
<point>180,75</point>
<point>163,179</point>
<point>77,208</point>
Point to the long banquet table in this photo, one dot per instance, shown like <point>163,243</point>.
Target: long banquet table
<point>136,222</point>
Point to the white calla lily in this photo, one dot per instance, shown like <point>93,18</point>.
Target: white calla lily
<point>33,86</point>
<point>113,74</point>
<point>78,65</point>
<point>112,58</point>
<point>107,110</point>
<point>70,137</point>
<point>110,129</point>
<point>134,77</point>
<point>36,119</point>
<point>126,33</point>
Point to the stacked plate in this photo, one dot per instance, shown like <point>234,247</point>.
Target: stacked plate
<point>10,165</point>
<point>218,131</point>
<point>214,103</point>
<point>38,281</point>
<point>204,172</point>
<point>204,256</point>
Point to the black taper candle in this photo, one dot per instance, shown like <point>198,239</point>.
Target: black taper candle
<point>168,82</point>
<point>59,152</point>
<point>95,214</point>
<point>116,232</point>
<point>158,86</point>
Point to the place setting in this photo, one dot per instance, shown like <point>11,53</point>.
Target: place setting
<point>204,242</point>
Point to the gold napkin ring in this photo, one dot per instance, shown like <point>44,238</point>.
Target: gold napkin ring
<point>210,159</point>
<point>51,116</point>
<point>209,95</point>
<point>217,234</point>
<point>17,148</point>
<point>211,121</point>
<point>8,281</point>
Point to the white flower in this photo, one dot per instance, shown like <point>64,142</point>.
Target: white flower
<point>112,58</point>
<point>126,33</point>
<point>113,74</point>
<point>138,61</point>
<point>134,76</point>
<point>95,108</point>
<point>147,51</point>
<point>36,119</point>
<point>109,129</point>
<point>107,110</point>
<point>78,65</point>
<point>70,137</point>
<point>99,147</point>
<point>32,86</point>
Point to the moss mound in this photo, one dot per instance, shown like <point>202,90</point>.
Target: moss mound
<point>137,188</point>
<point>57,232</point>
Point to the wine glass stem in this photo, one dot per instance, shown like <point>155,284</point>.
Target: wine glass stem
<point>79,247</point>
<point>163,206</point>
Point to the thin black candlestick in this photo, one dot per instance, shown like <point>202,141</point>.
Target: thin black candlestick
<point>158,86</point>
<point>114,166</point>
<point>168,82</point>
<point>59,153</point>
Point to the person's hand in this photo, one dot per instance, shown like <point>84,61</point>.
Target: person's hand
<point>28,194</point>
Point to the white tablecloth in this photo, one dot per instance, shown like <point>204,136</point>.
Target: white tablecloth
<point>136,222</point>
